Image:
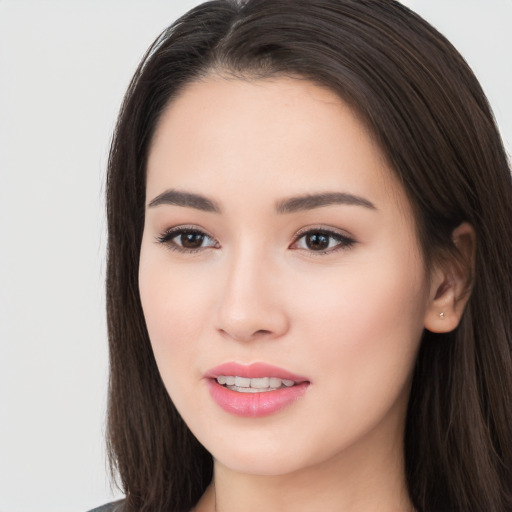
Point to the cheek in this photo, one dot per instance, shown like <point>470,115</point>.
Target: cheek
<point>175,308</point>
<point>170,307</point>
<point>367,309</point>
<point>364,327</point>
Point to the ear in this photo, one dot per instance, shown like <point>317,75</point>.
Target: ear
<point>451,283</point>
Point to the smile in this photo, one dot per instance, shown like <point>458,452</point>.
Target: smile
<point>254,390</point>
<point>257,385</point>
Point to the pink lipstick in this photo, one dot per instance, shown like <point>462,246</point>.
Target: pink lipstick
<point>254,390</point>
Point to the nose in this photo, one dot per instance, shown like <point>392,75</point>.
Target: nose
<point>250,305</point>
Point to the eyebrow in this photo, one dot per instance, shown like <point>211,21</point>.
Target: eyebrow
<point>310,201</point>
<point>186,199</point>
<point>289,205</point>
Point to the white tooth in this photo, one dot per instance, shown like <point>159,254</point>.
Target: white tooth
<point>230,381</point>
<point>222,379</point>
<point>288,383</point>
<point>260,383</point>
<point>242,382</point>
<point>245,390</point>
<point>275,382</point>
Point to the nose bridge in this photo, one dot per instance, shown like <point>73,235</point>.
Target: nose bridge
<point>248,305</point>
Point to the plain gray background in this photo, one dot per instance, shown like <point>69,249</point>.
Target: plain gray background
<point>64,66</point>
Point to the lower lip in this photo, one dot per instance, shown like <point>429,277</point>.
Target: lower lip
<point>255,405</point>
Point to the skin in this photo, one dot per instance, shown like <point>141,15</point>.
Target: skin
<point>350,318</point>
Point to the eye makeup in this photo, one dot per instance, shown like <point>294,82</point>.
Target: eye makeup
<point>315,240</point>
<point>187,239</point>
<point>321,241</point>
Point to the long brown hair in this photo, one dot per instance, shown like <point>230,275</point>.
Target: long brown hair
<point>431,119</point>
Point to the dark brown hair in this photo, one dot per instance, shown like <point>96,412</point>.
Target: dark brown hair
<point>431,119</point>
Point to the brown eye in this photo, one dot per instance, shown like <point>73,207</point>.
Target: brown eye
<point>322,241</point>
<point>191,239</point>
<point>187,240</point>
<point>316,241</point>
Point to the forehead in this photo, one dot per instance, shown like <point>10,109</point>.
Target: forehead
<point>284,136</point>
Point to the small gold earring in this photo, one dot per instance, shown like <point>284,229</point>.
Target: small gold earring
<point>441,315</point>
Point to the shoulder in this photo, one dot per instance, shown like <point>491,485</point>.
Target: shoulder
<point>115,506</point>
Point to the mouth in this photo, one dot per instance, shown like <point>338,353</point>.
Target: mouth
<point>254,390</point>
<point>255,385</point>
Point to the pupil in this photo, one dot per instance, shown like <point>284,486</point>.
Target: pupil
<point>317,241</point>
<point>191,240</point>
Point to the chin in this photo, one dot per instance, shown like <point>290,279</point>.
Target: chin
<point>262,457</point>
<point>258,464</point>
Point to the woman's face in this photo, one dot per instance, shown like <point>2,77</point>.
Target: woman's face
<point>279,251</point>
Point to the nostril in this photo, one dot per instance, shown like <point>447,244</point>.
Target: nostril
<point>261,332</point>
<point>240,335</point>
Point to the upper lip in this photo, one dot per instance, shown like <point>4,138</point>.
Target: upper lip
<point>253,371</point>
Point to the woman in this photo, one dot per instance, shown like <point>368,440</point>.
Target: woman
<point>309,268</point>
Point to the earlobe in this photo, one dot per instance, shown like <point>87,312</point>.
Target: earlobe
<point>451,282</point>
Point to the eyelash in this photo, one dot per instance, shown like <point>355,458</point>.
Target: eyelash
<point>343,242</point>
<point>167,237</point>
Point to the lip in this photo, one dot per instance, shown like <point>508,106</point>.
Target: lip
<point>253,371</point>
<point>254,405</point>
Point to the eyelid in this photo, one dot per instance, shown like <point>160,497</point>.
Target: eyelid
<point>165,238</point>
<point>346,241</point>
